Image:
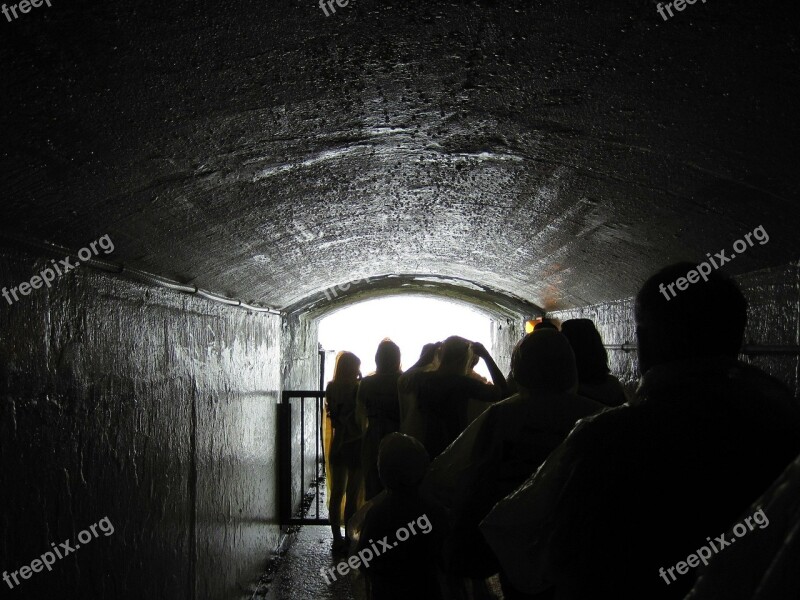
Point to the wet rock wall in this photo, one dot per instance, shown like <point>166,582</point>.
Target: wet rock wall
<point>152,408</point>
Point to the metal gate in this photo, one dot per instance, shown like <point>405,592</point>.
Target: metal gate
<point>301,469</point>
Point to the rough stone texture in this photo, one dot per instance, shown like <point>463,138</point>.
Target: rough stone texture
<point>300,366</point>
<point>614,321</point>
<point>556,151</point>
<point>505,335</point>
<point>480,297</point>
<point>300,358</point>
<point>152,408</point>
<point>773,297</point>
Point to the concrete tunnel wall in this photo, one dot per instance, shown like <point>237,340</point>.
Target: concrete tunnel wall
<point>153,408</point>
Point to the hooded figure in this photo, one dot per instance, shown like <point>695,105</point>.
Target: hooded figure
<point>595,380</point>
<point>406,564</point>
<point>377,404</point>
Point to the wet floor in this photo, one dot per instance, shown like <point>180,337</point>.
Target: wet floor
<point>299,575</point>
<point>309,551</point>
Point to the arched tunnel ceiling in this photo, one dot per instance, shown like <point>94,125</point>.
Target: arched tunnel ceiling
<point>556,152</point>
<point>490,302</point>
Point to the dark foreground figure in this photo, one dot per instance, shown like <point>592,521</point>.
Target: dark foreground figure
<point>763,566</point>
<point>377,399</point>
<point>406,564</point>
<point>638,488</point>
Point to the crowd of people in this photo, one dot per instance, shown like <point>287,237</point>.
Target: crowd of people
<point>555,481</point>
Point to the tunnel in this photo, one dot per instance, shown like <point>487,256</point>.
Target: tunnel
<point>190,187</point>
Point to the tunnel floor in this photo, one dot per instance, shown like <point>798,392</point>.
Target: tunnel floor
<point>309,549</point>
<point>298,576</point>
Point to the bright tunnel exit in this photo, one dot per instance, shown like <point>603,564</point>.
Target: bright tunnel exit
<point>409,321</point>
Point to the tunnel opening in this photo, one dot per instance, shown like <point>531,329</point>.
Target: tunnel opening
<point>409,321</point>
<point>303,367</point>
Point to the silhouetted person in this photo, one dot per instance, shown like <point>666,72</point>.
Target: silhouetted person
<point>377,399</point>
<point>763,563</point>
<point>639,487</point>
<point>545,324</point>
<point>412,422</point>
<point>506,445</point>
<point>444,393</point>
<point>595,380</point>
<point>405,566</point>
<point>345,451</point>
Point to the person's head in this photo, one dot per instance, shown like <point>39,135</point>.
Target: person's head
<point>545,324</point>
<point>455,355</point>
<point>473,360</point>
<point>591,357</point>
<point>543,361</point>
<point>348,367</point>
<point>705,319</point>
<point>387,358</point>
<point>402,462</point>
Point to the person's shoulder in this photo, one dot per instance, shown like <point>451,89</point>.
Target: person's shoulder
<point>606,425</point>
<point>513,405</point>
<point>587,406</point>
<point>386,381</point>
<point>767,385</point>
<point>408,376</point>
<point>337,388</point>
<point>368,381</point>
<point>504,419</point>
<point>368,386</point>
<point>775,400</point>
<point>427,377</point>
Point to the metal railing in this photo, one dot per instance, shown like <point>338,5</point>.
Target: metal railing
<point>747,349</point>
<point>301,469</point>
